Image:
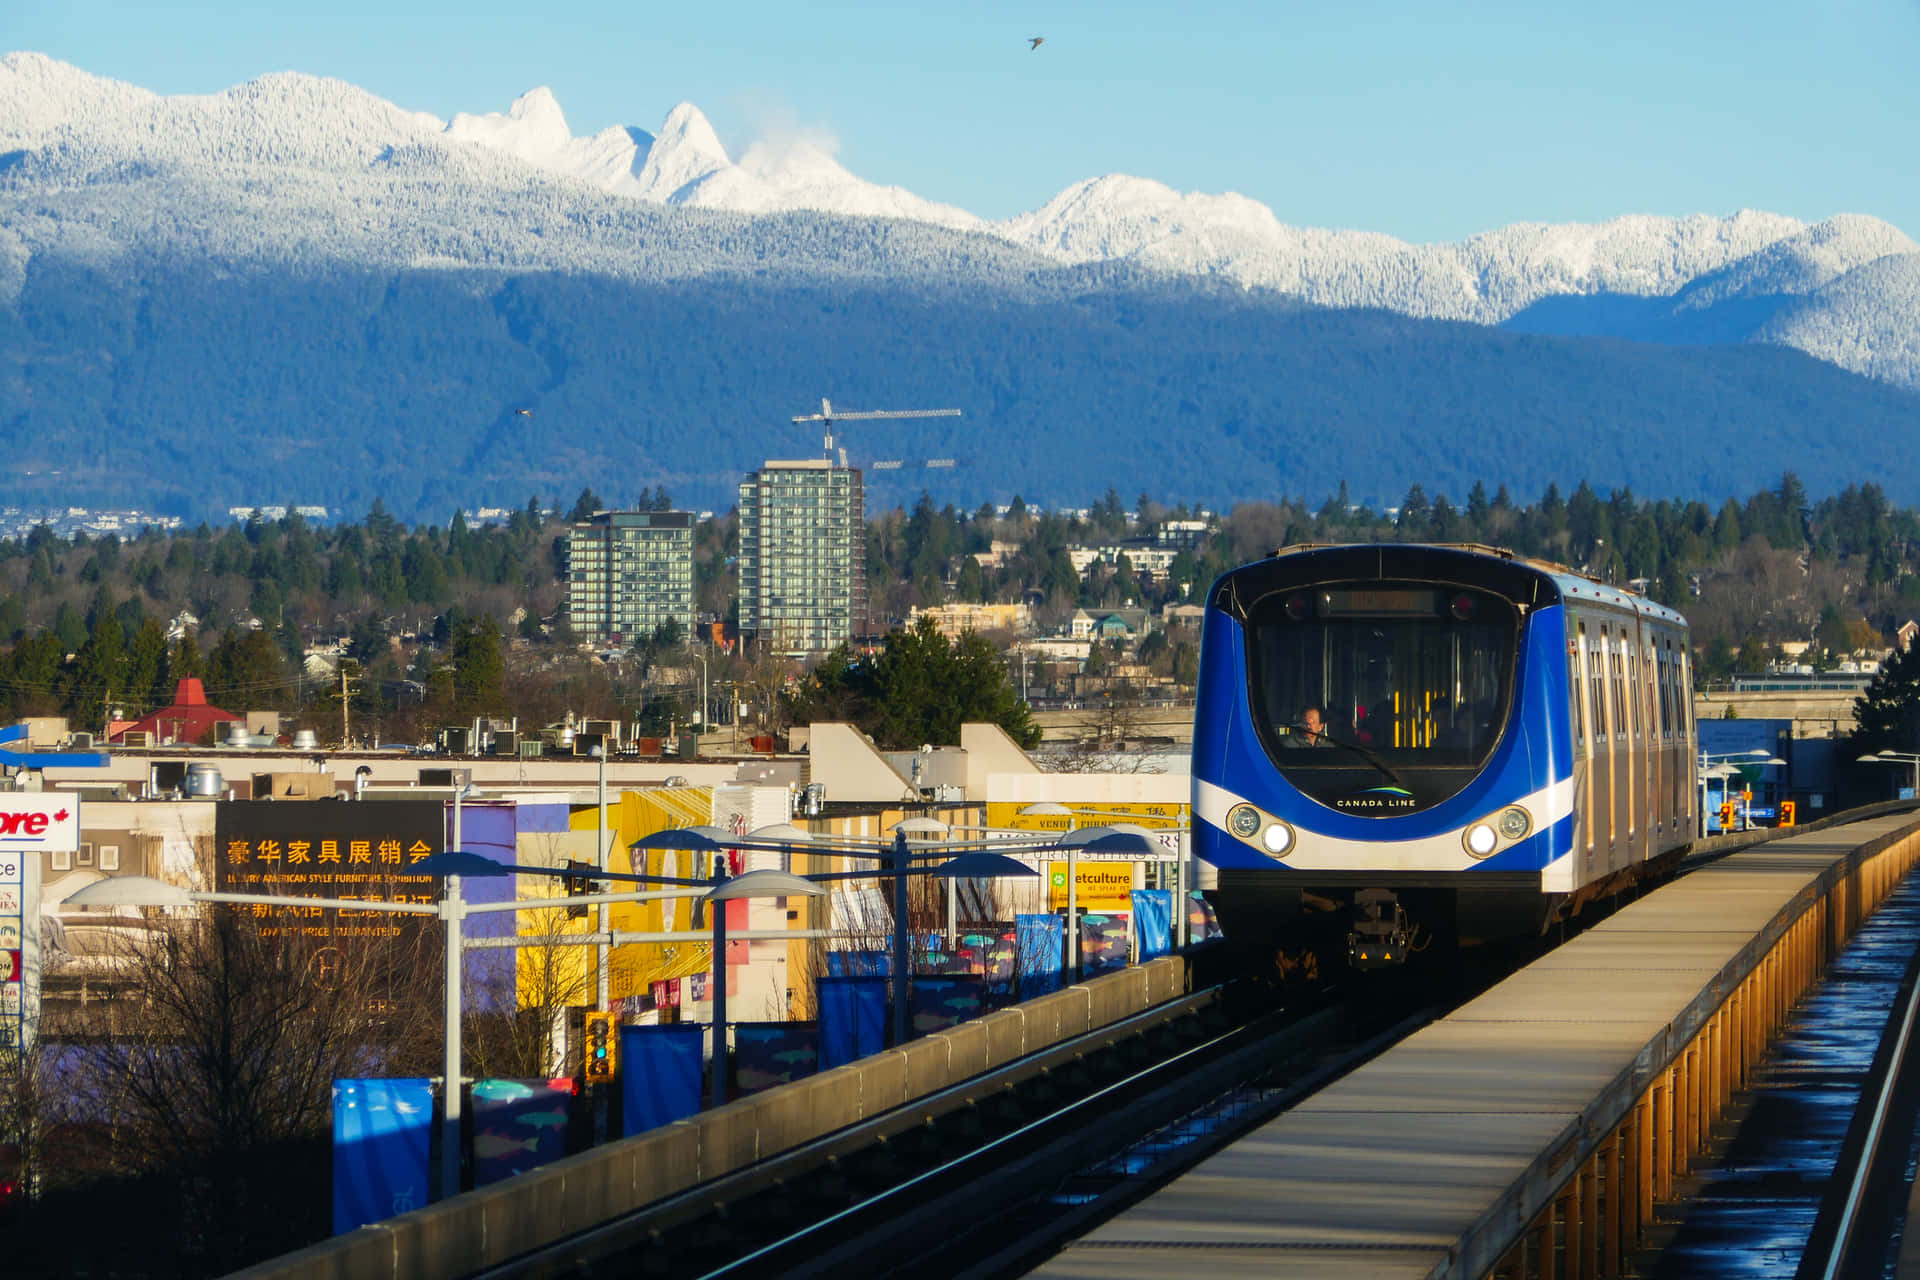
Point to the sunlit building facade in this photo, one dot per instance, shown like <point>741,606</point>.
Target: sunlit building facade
<point>802,555</point>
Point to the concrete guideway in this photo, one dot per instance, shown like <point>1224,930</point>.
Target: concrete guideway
<point>488,1226</point>
<point>1531,1132</point>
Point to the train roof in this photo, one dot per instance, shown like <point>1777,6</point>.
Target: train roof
<point>1568,583</point>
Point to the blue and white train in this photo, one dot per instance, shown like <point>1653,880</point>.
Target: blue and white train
<point>1505,741</point>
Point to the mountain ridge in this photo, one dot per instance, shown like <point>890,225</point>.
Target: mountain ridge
<point>1759,260</point>
<point>296,291</point>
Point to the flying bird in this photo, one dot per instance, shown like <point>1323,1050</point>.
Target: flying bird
<point>525,413</point>
<point>1034,42</point>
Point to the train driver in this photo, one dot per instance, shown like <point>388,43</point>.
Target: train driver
<point>1310,731</point>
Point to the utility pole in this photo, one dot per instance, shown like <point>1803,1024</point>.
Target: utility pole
<point>346,697</point>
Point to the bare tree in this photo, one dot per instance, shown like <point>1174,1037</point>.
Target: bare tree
<point>214,1066</point>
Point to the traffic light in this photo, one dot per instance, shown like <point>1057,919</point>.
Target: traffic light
<point>1786,813</point>
<point>603,1047</point>
<point>1726,816</point>
<point>574,886</point>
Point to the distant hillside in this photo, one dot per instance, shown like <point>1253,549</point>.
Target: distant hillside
<point>293,291</point>
<point>190,387</point>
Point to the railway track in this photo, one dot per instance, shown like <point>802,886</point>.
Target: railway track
<point>993,1175</point>
<point>1004,1169</point>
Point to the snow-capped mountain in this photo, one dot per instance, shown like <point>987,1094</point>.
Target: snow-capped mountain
<point>344,172</point>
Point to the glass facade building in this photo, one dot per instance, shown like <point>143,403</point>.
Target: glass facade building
<point>803,580</point>
<point>628,572</point>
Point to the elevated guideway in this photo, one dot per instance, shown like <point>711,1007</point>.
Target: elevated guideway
<point>485,1228</point>
<point>1531,1132</point>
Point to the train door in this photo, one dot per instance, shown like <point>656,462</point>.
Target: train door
<point>1620,766</point>
<point>1599,803</point>
<point>1684,674</point>
<point>1643,740</point>
<point>1577,720</point>
<point>1605,720</point>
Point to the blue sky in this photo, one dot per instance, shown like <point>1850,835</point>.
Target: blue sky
<point>1422,120</point>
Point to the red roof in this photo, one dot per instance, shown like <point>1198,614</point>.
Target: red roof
<point>189,719</point>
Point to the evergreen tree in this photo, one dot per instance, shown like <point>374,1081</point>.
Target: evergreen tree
<point>480,669</point>
<point>1887,715</point>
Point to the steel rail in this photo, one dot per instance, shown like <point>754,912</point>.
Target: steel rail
<point>582,1249</point>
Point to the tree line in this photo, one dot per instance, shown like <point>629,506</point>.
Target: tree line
<point>445,621</point>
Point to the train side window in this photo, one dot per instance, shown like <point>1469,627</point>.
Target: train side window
<point>1617,679</point>
<point>1596,688</point>
<point>1656,692</point>
<point>1672,687</point>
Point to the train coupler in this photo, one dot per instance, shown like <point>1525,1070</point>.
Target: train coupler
<point>1378,937</point>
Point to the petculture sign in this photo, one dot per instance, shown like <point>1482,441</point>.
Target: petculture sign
<point>359,850</point>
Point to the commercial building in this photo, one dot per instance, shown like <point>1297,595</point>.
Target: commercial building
<point>802,555</point>
<point>628,572</point>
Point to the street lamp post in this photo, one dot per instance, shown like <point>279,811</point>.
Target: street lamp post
<point>753,884</point>
<point>602,952</point>
<point>706,706</point>
<point>1719,765</point>
<point>1048,809</point>
<point>896,857</point>
<point>1897,757</point>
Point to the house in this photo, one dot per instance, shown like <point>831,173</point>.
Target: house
<point>190,719</point>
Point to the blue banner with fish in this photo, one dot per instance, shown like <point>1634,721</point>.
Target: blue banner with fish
<point>1040,939</point>
<point>858,964</point>
<point>992,955</point>
<point>661,1074</point>
<point>943,1002</point>
<point>853,1019</point>
<point>1105,940</point>
<point>1201,922</point>
<point>517,1125</point>
<point>1153,922</point>
<point>382,1130</point>
<point>767,1054</point>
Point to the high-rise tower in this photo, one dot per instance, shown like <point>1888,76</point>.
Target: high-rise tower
<point>802,555</point>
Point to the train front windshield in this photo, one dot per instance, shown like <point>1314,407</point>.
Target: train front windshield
<point>1413,683</point>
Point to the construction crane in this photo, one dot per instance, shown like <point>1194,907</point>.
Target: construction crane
<point>828,416</point>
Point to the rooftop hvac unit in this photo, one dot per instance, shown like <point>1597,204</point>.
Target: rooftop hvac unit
<point>506,742</point>
<point>531,748</point>
<point>456,740</point>
<point>136,738</point>
<point>81,742</point>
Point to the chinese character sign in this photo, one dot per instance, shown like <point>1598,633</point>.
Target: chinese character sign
<point>328,849</point>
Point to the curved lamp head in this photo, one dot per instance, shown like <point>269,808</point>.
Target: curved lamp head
<point>703,839</point>
<point>921,828</point>
<point>1134,843</point>
<point>780,833</point>
<point>764,884</point>
<point>457,862</point>
<point>981,866</point>
<point>1046,809</point>
<point>129,891</point>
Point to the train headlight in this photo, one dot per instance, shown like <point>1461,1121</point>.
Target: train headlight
<point>1278,839</point>
<point>1514,823</point>
<point>1243,820</point>
<point>1480,840</point>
